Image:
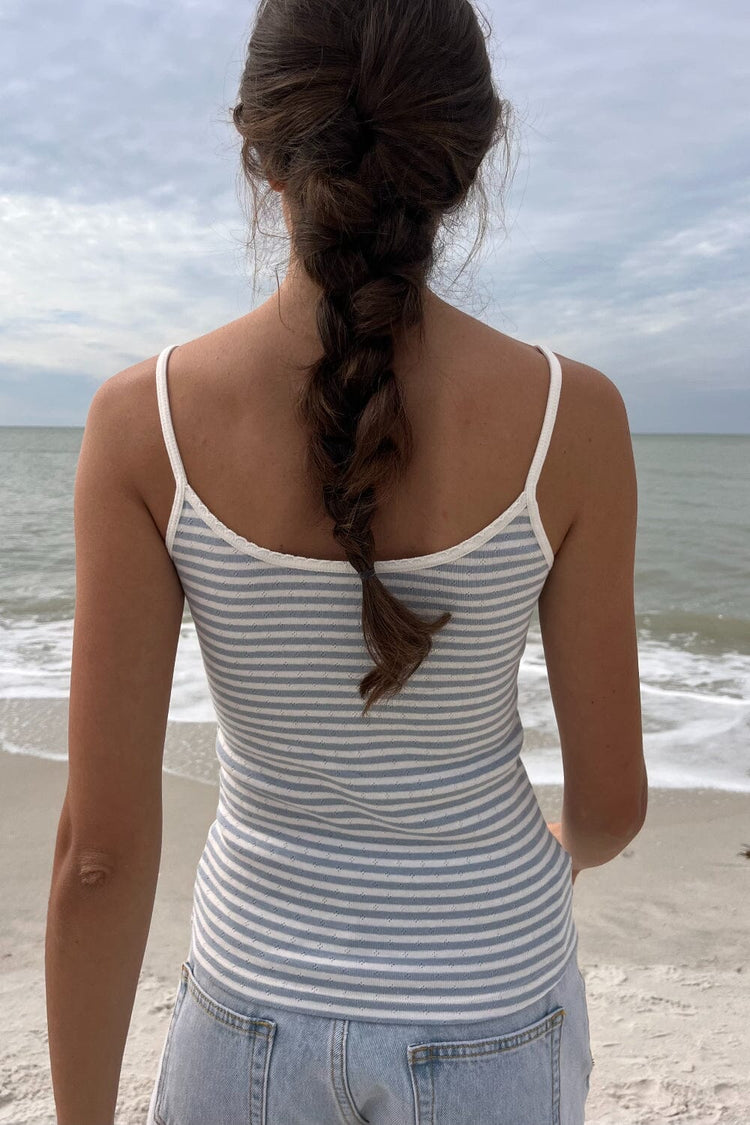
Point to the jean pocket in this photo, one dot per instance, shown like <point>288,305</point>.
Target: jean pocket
<point>215,1065</point>
<point>508,1079</point>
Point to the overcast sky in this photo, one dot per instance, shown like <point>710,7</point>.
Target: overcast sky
<point>628,218</point>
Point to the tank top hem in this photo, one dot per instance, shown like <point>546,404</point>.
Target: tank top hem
<point>307,1004</point>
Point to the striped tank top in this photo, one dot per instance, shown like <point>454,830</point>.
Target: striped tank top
<point>395,866</point>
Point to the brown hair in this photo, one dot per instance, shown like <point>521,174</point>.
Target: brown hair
<point>375,115</point>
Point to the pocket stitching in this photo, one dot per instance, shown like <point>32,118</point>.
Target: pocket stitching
<point>489,1045</point>
<point>223,1014</point>
<point>253,1028</point>
<point>266,1065</point>
<point>419,1054</point>
<point>338,1068</point>
<point>167,1046</point>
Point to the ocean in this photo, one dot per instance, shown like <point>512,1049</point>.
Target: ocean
<point>692,597</point>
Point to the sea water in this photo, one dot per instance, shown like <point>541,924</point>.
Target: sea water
<point>692,600</point>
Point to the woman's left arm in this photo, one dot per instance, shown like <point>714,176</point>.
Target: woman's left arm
<point>128,612</point>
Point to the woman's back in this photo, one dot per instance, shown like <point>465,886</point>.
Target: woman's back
<point>476,400</point>
<point>474,396</point>
<point>416,824</point>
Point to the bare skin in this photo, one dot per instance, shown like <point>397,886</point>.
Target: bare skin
<point>476,399</point>
<point>555,827</point>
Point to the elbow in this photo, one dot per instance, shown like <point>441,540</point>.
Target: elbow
<point>620,816</point>
<point>89,858</point>
<point>642,803</point>
<point>84,870</point>
<point>630,818</point>
<point>631,825</point>
<point>93,868</point>
<point>77,865</point>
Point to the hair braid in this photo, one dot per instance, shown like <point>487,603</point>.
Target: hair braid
<point>361,438</point>
<point>375,116</point>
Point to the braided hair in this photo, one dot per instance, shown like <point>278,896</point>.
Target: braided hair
<point>375,115</point>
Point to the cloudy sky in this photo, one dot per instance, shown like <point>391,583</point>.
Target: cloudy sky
<point>627,223</point>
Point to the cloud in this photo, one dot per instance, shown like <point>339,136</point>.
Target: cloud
<point>87,285</point>
<point>627,220</point>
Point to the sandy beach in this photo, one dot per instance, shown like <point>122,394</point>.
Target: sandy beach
<point>664,949</point>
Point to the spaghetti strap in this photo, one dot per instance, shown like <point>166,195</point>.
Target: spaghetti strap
<point>170,442</point>
<point>167,428</point>
<point>553,398</point>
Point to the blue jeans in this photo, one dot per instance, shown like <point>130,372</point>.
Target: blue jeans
<point>225,1063</point>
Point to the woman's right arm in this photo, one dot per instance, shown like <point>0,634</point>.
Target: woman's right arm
<point>587,619</point>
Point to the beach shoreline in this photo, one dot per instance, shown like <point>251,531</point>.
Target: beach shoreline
<point>663,947</point>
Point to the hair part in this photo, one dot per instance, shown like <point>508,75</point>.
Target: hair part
<point>376,116</point>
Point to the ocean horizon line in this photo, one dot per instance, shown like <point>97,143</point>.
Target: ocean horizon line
<point>634,433</point>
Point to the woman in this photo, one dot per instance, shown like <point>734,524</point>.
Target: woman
<point>382,925</point>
